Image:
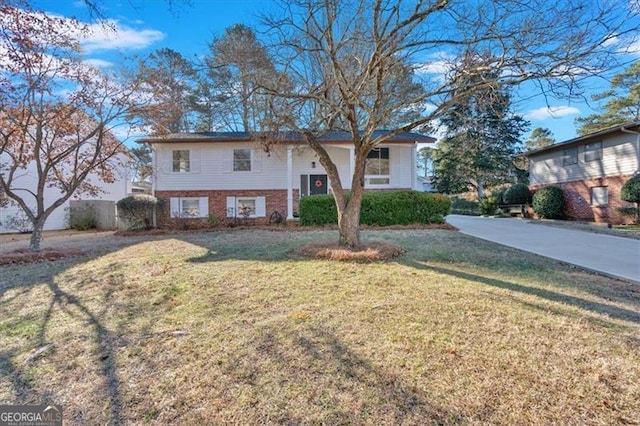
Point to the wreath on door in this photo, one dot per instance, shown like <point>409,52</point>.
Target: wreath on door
<point>318,183</point>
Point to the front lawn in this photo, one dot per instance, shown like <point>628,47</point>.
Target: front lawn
<point>234,327</point>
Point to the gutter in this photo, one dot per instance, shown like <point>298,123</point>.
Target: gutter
<point>625,130</point>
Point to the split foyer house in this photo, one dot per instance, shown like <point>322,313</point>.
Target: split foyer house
<point>229,174</point>
<point>590,170</point>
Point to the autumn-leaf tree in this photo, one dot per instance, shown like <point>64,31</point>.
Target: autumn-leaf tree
<point>56,116</point>
<point>622,103</point>
<point>349,61</point>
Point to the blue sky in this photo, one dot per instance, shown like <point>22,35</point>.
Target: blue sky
<point>143,26</point>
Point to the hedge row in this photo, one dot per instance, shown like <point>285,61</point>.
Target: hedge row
<point>379,208</point>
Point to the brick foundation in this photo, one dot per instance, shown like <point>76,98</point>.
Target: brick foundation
<point>275,200</point>
<point>577,196</point>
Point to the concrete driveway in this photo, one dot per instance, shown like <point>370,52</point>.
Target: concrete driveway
<point>614,256</point>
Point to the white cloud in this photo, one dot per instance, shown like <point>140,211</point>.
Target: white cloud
<point>545,113</point>
<point>111,34</point>
<point>98,63</point>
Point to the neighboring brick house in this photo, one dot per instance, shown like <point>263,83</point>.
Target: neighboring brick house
<point>229,174</point>
<point>590,170</point>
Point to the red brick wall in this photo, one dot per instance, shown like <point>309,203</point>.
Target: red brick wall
<point>577,196</point>
<point>275,200</point>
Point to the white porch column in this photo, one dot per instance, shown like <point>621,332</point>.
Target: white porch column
<point>414,166</point>
<point>289,183</point>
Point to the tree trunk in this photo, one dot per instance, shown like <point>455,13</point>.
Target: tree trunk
<point>36,235</point>
<point>349,221</point>
<point>480,188</point>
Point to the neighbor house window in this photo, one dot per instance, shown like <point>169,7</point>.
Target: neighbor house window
<point>377,167</point>
<point>241,160</point>
<point>570,156</point>
<point>181,163</point>
<point>593,151</point>
<point>600,196</point>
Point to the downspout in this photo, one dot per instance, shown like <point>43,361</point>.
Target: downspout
<point>623,129</point>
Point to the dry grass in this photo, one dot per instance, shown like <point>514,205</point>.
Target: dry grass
<point>234,327</point>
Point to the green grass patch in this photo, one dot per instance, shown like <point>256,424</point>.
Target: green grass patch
<point>236,327</point>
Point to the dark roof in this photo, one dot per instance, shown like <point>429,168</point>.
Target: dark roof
<point>635,125</point>
<point>284,137</point>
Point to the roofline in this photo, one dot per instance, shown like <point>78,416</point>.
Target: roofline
<point>231,139</point>
<point>624,128</point>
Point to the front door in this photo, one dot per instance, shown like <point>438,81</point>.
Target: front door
<point>317,184</point>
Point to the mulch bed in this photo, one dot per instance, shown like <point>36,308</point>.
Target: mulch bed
<point>21,256</point>
<point>370,251</point>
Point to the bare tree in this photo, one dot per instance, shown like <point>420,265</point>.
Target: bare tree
<point>345,60</point>
<point>56,115</point>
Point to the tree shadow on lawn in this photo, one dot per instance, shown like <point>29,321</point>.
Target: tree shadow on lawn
<point>330,383</point>
<point>595,307</point>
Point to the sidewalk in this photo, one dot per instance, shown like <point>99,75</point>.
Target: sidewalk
<point>613,256</point>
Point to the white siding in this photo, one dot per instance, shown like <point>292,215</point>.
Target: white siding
<point>619,157</point>
<point>214,170</point>
<point>59,218</point>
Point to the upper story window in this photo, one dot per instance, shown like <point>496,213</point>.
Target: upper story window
<point>376,167</point>
<point>181,162</point>
<point>593,151</point>
<point>241,160</point>
<point>570,156</point>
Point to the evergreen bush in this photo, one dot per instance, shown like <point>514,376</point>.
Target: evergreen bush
<point>517,194</point>
<point>548,203</point>
<point>630,192</point>
<point>137,210</point>
<point>379,208</point>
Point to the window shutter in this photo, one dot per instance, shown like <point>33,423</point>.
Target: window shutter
<point>304,185</point>
<point>261,207</point>
<point>194,160</point>
<point>231,206</point>
<point>174,205</point>
<point>256,160</point>
<point>227,160</point>
<point>204,206</point>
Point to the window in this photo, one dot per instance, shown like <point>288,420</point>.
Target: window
<point>592,151</point>
<point>600,196</point>
<point>189,207</point>
<point>570,156</point>
<point>376,168</point>
<point>241,160</point>
<point>181,163</point>
<point>246,207</point>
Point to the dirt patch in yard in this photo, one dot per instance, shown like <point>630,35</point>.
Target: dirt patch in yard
<point>372,251</point>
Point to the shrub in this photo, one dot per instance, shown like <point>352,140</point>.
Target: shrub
<point>83,218</point>
<point>380,208</point>
<point>465,207</point>
<point>213,220</point>
<point>548,203</point>
<point>137,210</point>
<point>517,194</point>
<point>488,206</point>
<point>630,192</point>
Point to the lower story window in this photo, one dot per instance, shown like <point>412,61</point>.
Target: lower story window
<point>246,207</point>
<point>189,207</point>
<point>600,196</point>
